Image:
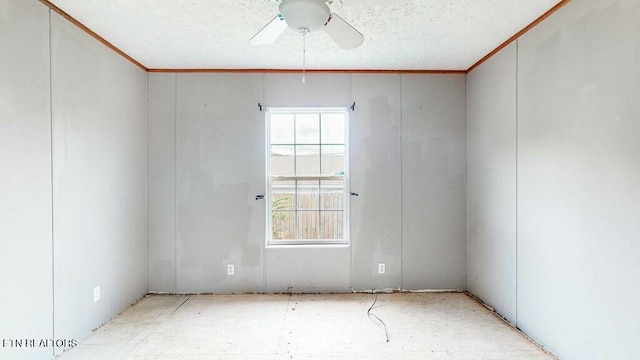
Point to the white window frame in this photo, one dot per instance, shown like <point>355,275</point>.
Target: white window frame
<point>268,197</point>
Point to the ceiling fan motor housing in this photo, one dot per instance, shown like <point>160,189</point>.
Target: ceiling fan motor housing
<point>305,14</point>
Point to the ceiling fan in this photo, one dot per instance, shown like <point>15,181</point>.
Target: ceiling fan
<point>308,16</point>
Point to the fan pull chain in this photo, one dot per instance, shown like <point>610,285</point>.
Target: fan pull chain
<point>304,32</point>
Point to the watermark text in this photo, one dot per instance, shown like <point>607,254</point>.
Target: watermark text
<point>39,343</point>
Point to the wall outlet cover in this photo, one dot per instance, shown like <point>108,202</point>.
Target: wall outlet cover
<point>96,293</point>
<point>231,270</point>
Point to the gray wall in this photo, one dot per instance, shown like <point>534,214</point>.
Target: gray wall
<point>207,160</point>
<point>219,132</point>
<point>26,307</point>
<point>491,179</point>
<point>73,149</point>
<point>433,181</point>
<point>578,176</point>
<point>99,180</point>
<point>376,175</point>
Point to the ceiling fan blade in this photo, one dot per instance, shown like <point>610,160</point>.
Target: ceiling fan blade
<point>270,32</point>
<point>375,2</point>
<point>342,33</point>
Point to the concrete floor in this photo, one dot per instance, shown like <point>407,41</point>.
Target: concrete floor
<point>448,326</point>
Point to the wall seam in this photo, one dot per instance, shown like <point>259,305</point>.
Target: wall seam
<point>516,185</point>
<point>146,256</point>
<point>264,187</point>
<point>51,148</point>
<point>349,147</point>
<point>175,183</point>
<point>401,184</point>
<point>466,184</point>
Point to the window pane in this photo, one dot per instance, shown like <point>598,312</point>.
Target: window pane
<point>308,225</point>
<point>308,195</point>
<point>282,160</point>
<point>283,225</point>
<point>332,160</point>
<point>307,129</point>
<point>283,195</point>
<point>331,195</point>
<point>282,129</point>
<point>307,160</point>
<point>333,128</point>
<point>331,223</point>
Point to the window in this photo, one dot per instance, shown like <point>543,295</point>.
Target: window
<point>307,176</point>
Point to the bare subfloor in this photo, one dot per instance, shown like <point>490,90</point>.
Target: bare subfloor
<point>420,326</point>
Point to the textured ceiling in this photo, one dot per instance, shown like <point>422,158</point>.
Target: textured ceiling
<point>214,34</point>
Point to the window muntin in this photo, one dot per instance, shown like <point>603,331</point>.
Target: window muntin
<point>307,176</point>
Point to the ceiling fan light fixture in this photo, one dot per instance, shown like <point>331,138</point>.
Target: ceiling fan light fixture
<point>305,14</point>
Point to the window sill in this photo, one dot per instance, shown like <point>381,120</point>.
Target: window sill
<point>307,246</point>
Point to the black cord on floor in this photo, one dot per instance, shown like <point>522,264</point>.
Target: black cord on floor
<point>370,314</point>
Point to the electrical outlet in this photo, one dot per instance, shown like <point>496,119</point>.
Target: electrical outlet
<point>381,268</point>
<point>96,293</point>
<point>231,269</point>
